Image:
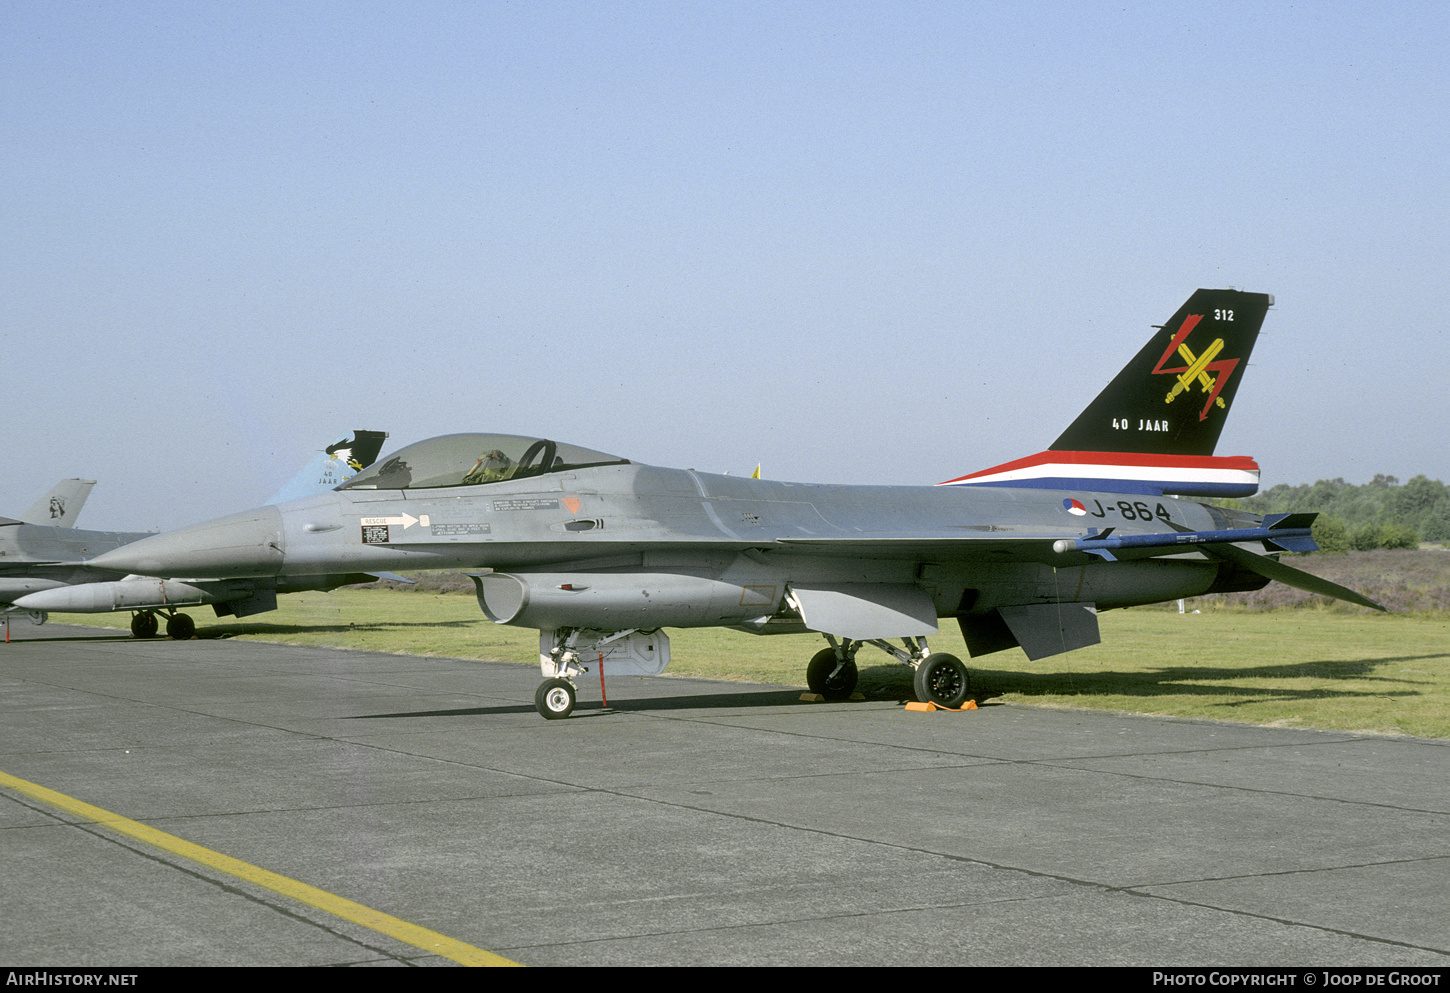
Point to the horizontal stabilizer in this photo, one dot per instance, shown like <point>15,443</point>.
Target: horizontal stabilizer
<point>1289,576</point>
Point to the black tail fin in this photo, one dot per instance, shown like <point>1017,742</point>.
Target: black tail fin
<point>1154,428</point>
<point>1173,397</point>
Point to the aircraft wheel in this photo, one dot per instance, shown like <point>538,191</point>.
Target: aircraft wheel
<point>180,626</point>
<point>143,625</point>
<point>942,679</point>
<point>554,699</point>
<point>820,678</point>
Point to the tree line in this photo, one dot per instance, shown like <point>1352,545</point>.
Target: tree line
<point>1379,514</point>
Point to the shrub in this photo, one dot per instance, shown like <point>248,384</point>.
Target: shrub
<point>1399,536</point>
<point>1365,539</point>
<point>1331,535</point>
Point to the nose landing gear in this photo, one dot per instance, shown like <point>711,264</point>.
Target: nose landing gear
<point>554,699</point>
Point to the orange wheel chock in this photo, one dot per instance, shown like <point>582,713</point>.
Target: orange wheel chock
<point>969,705</point>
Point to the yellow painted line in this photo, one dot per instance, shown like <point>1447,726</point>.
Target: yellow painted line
<point>412,934</point>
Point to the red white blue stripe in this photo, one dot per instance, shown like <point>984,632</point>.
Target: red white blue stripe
<point>1124,472</point>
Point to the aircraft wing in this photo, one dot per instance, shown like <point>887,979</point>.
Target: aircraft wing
<point>1280,532</point>
<point>1005,545</point>
<point>1290,576</point>
<point>26,565</point>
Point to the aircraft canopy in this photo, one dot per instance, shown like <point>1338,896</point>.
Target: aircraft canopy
<point>473,459</point>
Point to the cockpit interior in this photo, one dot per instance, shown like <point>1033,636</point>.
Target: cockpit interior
<point>472,460</point>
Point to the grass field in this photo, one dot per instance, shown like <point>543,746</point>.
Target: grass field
<point>1387,674</point>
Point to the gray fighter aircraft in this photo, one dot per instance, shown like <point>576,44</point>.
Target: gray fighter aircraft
<point>44,550</point>
<point>56,513</point>
<point>44,567</point>
<point>600,553</point>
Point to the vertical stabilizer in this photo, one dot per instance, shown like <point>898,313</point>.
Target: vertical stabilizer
<point>1175,395</point>
<point>334,465</point>
<point>1154,428</point>
<point>62,505</point>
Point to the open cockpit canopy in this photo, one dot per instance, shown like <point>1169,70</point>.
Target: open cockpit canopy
<point>472,459</point>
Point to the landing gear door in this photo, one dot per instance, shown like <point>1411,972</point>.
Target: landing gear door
<point>865,611</point>
<point>625,653</point>
<point>638,654</point>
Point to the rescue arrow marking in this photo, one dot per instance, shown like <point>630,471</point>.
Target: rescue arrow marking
<point>407,520</point>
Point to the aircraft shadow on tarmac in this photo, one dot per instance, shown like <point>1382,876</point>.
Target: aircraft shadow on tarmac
<point>768,697</point>
<point>893,683</point>
<point>1215,681</point>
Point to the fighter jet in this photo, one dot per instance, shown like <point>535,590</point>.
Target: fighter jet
<point>44,550</point>
<point>600,553</point>
<point>44,567</point>
<point>55,515</point>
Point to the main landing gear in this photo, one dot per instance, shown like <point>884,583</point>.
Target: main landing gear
<point>942,679</point>
<point>179,627</point>
<point>832,672</point>
<point>938,677</point>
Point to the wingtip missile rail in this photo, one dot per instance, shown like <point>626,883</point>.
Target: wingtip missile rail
<point>1280,532</point>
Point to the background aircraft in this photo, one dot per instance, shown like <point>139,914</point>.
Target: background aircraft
<point>43,550</point>
<point>599,553</point>
<point>55,515</point>
<point>61,506</point>
<point>45,568</point>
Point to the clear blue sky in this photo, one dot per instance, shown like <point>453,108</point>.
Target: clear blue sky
<point>850,241</point>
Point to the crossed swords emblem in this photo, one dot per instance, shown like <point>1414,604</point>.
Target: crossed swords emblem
<point>1198,367</point>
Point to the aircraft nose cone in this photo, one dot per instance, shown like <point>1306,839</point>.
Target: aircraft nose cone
<point>246,544</point>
